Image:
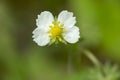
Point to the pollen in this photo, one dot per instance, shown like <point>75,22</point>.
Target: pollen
<point>56,32</point>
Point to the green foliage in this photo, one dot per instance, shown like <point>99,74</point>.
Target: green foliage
<point>106,72</point>
<point>99,22</point>
<point>22,59</point>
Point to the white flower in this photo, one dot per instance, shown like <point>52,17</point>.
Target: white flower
<point>51,30</point>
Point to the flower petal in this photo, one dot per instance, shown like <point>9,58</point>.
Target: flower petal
<point>72,35</point>
<point>44,20</point>
<point>40,37</point>
<point>67,19</point>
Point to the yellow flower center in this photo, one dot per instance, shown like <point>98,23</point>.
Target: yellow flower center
<point>56,32</point>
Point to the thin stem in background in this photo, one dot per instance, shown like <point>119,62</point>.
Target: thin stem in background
<point>90,55</point>
<point>69,64</point>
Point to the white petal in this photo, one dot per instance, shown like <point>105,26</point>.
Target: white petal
<point>40,37</point>
<point>72,35</point>
<point>44,20</point>
<point>67,19</point>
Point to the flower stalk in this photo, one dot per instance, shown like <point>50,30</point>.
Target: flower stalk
<point>90,55</point>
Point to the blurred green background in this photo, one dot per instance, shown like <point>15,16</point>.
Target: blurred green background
<point>23,59</point>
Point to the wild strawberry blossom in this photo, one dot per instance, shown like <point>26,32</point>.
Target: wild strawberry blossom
<point>54,30</point>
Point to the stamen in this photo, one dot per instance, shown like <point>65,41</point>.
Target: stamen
<point>60,39</point>
<point>56,32</point>
<point>50,26</point>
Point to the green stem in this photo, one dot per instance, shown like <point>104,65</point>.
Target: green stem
<point>69,64</point>
<point>90,55</point>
